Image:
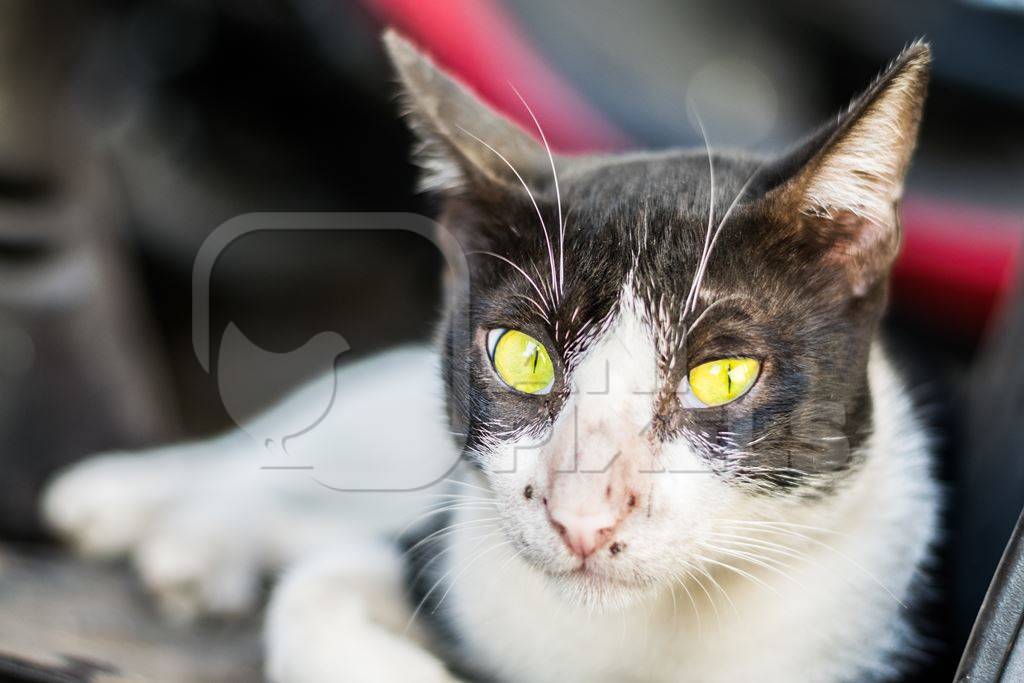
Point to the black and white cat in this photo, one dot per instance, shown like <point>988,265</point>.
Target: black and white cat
<point>685,454</point>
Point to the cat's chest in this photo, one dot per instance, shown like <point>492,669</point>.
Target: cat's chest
<point>724,627</point>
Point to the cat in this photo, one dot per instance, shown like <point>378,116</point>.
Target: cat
<point>683,452</point>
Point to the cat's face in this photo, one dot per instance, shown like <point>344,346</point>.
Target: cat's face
<point>655,347</point>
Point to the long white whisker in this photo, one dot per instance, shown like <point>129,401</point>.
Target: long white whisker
<point>461,496</point>
<point>533,200</point>
<point>755,558</point>
<point>711,210</point>
<point>558,194</point>
<point>544,283</point>
<point>853,563</point>
<point>540,309</point>
<point>708,309</point>
<point>426,596</point>
<point>446,508</point>
<point>459,482</point>
<point>521,271</point>
<point>699,278</point>
<point>787,525</point>
<point>762,544</point>
<point>452,546</point>
<point>448,530</point>
<point>711,600</point>
<point>466,568</point>
<point>693,603</point>
<point>744,574</point>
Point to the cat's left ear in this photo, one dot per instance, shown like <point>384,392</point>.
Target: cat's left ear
<point>844,193</point>
<point>464,144</point>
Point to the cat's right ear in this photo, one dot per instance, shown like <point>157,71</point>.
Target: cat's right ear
<point>843,187</point>
<point>464,145</point>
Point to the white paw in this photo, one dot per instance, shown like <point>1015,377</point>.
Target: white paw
<point>193,533</point>
<point>202,558</point>
<point>342,618</point>
<point>104,505</point>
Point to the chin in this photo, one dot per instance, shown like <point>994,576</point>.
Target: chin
<point>600,592</point>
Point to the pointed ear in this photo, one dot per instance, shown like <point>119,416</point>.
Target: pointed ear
<point>462,140</point>
<point>848,180</point>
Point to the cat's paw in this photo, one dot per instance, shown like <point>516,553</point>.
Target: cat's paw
<point>342,616</point>
<point>334,640</point>
<point>196,549</point>
<point>104,505</point>
<point>202,558</point>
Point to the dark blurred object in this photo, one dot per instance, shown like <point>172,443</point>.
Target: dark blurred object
<point>215,109</point>
<point>68,621</point>
<point>992,494</point>
<point>995,651</point>
<point>131,131</point>
<point>77,365</point>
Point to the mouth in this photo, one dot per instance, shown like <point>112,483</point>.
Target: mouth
<point>588,586</point>
<point>590,574</point>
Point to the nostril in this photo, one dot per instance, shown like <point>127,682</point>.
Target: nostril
<point>583,534</point>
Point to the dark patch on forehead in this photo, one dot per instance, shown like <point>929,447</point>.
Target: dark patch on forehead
<point>644,221</point>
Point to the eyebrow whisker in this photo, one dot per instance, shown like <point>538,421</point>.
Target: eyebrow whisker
<point>533,200</point>
<point>558,195</point>
<point>521,271</point>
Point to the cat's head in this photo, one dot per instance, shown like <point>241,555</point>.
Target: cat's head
<point>653,346</point>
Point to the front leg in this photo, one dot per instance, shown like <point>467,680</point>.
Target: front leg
<point>342,616</point>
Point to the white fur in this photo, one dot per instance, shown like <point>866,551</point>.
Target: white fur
<point>838,616</point>
<point>864,173</point>
<point>203,521</point>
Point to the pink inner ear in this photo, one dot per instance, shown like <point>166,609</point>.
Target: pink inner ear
<point>864,249</point>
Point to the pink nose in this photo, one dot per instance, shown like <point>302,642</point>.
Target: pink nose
<point>583,533</point>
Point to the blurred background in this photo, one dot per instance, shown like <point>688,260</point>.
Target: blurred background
<point>129,130</point>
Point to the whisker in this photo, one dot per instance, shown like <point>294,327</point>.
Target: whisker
<point>774,523</point>
<point>447,549</point>
<point>763,545</point>
<point>719,588</point>
<point>536,305</point>
<point>708,309</point>
<point>459,482</point>
<point>466,568</point>
<point>711,209</point>
<point>533,200</point>
<point>753,558</point>
<point>689,595</point>
<point>558,194</point>
<point>737,570</point>
<point>448,530</point>
<point>461,496</point>
<point>521,271</point>
<point>445,508</point>
<point>426,596</point>
<point>702,268</point>
<point>853,563</point>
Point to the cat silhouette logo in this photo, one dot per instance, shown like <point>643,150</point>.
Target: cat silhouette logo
<point>249,378</point>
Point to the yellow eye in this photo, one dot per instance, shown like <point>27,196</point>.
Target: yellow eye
<point>722,381</point>
<point>521,361</point>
